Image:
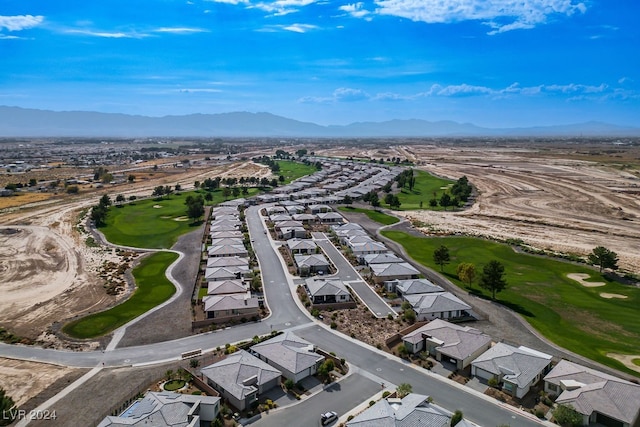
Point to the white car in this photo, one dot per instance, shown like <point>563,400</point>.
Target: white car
<point>328,417</point>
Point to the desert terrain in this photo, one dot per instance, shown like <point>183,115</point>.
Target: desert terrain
<point>550,197</point>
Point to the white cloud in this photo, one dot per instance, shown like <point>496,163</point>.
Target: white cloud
<point>230,1</point>
<point>355,9</point>
<point>283,7</point>
<point>299,28</point>
<point>345,94</point>
<point>108,34</point>
<point>180,30</point>
<point>5,37</point>
<point>20,22</point>
<point>500,15</point>
<point>460,90</point>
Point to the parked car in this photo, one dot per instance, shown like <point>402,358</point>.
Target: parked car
<point>328,417</point>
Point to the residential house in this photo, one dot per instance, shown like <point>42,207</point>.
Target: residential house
<point>437,305</point>
<point>227,241</point>
<point>601,398</point>
<point>290,354</point>
<point>311,264</point>
<point>396,271</point>
<point>226,287</point>
<point>517,368</point>
<point>280,217</point>
<point>304,218</point>
<point>241,378</point>
<point>412,287</point>
<point>316,209</point>
<point>386,258</point>
<point>286,233</point>
<point>229,307</point>
<point>167,409</point>
<point>228,234</point>
<point>230,261</point>
<point>219,274</point>
<point>412,410</point>
<point>361,249</point>
<point>326,291</point>
<point>302,246</point>
<point>227,251</point>
<point>330,218</point>
<point>448,342</point>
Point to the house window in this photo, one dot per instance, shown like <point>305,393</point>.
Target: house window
<point>552,387</point>
<point>508,386</point>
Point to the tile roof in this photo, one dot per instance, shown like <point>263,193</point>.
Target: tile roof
<point>436,302</point>
<point>311,260</point>
<point>238,367</point>
<point>459,342</point>
<point>517,365</point>
<point>412,411</point>
<point>226,287</point>
<point>318,287</point>
<point>161,409</point>
<point>229,302</point>
<point>588,391</point>
<point>394,269</point>
<point>289,351</point>
<point>417,286</point>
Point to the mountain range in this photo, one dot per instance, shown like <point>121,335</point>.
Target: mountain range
<point>22,122</point>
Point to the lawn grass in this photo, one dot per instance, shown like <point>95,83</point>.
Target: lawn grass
<point>154,223</point>
<point>174,385</point>
<point>423,190</point>
<point>571,315</point>
<point>153,289</point>
<point>294,170</point>
<point>374,215</point>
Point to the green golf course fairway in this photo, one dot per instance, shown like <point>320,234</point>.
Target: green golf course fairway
<point>571,315</point>
<point>153,288</point>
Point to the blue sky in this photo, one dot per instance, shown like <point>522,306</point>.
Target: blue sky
<point>500,63</point>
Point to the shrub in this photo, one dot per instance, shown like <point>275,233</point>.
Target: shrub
<point>386,394</point>
<point>493,382</point>
<point>372,402</point>
<point>334,325</point>
<point>289,384</point>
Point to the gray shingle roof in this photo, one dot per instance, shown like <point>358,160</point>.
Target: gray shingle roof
<point>517,365</point>
<point>458,341</point>
<point>289,351</point>
<point>412,411</point>
<point>229,302</point>
<point>311,260</point>
<point>596,391</point>
<point>226,287</point>
<point>436,302</point>
<point>236,368</point>
<point>326,287</point>
<point>164,409</point>
<point>394,269</point>
<point>417,286</point>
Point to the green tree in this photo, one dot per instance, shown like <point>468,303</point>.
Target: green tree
<point>603,258</point>
<point>441,256</point>
<point>404,389</point>
<point>324,371</point>
<point>158,191</point>
<point>131,178</point>
<point>73,189</point>
<point>98,215</point>
<point>169,374</point>
<point>445,200</point>
<point>409,315</point>
<point>289,384</point>
<point>120,199</point>
<point>388,199</point>
<point>208,196</point>
<point>195,207</point>
<point>466,273</point>
<point>226,192</point>
<point>347,200</point>
<point>492,278</point>
<point>567,416</point>
<point>456,418</point>
<point>6,405</point>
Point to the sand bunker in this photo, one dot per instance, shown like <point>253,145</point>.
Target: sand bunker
<point>609,296</point>
<point>581,277</point>
<point>157,206</point>
<point>626,360</point>
<point>181,218</point>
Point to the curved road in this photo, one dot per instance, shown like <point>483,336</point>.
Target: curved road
<point>286,314</point>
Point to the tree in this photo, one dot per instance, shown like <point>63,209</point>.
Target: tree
<point>492,278</point>
<point>456,418</point>
<point>324,371</point>
<point>603,258</point>
<point>169,374</point>
<point>196,184</point>
<point>433,202</point>
<point>466,273</point>
<point>404,389</point>
<point>131,178</point>
<point>6,405</point>
<point>120,199</point>
<point>105,201</point>
<point>195,207</point>
<point>347,200</point>
<point>226,192</point>
<point>445,200</point>
<point>409,315</point>
<point>567,416</point>
<point>178,187</point>
<point>441,256</point>
<point>388,199</point>
<point>73,189</point>
<point>99,214</point>
<point>208,196</point>
<point>158,191</point>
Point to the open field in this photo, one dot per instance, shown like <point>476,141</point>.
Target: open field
<point>426,188</point>
<point>294,170</point>
<point>574,316</point>
<point>374,215</point>
<point>153,288</point>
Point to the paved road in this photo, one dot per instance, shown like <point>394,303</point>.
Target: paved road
<point>339,397</point>
<point>475,406</point>
<point>347,273</point>
<point>287,314</point>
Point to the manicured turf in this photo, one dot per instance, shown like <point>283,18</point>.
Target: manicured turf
<point>154,223</point>
<point>153,289</point>
<point>425,187</point>
<point>571,315</point>
<point>374,215</point>
<point>174,385</point>
<point>294,170</point>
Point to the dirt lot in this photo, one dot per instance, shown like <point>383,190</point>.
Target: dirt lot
<point>567,198</point>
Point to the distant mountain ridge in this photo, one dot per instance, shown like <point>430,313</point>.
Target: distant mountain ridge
<point>23,122</point>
